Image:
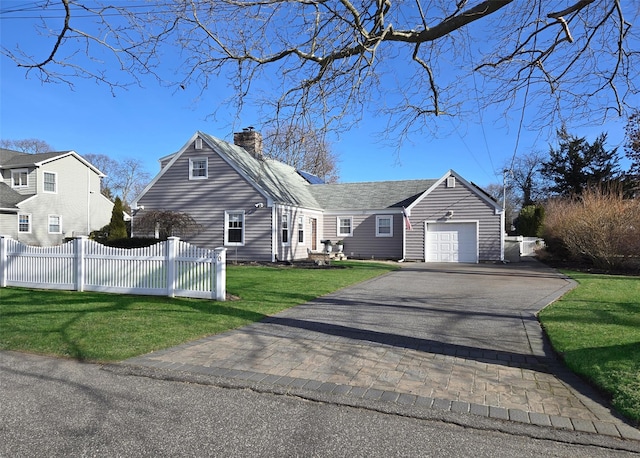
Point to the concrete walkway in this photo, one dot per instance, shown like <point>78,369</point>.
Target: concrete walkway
<point>457,337</point>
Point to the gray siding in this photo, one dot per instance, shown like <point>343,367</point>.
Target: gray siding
<point>466,206</point>
<point>77,202</point>
<point>364,244</point>
<point>207,200</point>
<point>295,250</point>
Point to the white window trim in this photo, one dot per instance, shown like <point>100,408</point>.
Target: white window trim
<point>344,234</point>
<point>300,229</point>
<point>226,228</point>
<point>28,215</point>
<point>55,182</point>
<point>59,231</point>
<point>380,217</point>
<point>18,172</point>
<point>285,216</point>
<point>206,168</point>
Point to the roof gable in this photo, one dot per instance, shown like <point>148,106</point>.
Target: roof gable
<point>472,187</point>
<point>15,159</point>
<point>278,182</point>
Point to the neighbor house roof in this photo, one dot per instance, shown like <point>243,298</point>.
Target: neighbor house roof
<point>9,199</point>
<point>369,195</point>
<point>15,159</point>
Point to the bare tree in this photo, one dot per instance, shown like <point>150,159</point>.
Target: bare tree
<point>328,59</point>
<point>527,181</point>
<point>510,199</point>
<point>304,149</point>
<point>125,179</point>
<point>26,145</point>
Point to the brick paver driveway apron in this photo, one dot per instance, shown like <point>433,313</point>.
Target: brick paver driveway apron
<point>461,333</point>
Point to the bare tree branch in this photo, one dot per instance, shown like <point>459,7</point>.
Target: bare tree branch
<point>327,60</point>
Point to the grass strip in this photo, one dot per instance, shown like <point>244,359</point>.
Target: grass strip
<point>596,329</point>
<point>111,327</point>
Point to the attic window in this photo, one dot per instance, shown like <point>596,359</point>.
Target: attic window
<point>451,182</point>
<point>198,144</point>
<point>198,168</point>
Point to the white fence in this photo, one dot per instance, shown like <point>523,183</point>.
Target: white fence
<point>170,268</point>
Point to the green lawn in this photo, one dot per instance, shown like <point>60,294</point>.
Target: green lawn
<point>110,327</point>
<point>596,329</point>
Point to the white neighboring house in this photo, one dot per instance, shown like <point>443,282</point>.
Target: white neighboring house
<point>47,197</point>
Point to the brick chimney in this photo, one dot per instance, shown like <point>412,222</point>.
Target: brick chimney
<point>251,140</point>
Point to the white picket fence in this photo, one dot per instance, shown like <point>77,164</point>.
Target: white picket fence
<point>170,268</point>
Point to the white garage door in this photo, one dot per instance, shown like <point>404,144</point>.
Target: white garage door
<point>451,242</point>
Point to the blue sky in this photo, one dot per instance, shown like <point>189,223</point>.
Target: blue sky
<point>152,121</point>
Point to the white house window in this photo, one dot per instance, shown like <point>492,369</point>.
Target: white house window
<point>55,224</point>
<point>285,229</point>
<point>345,226</point>
<point>24,223</point>
<point>198,144</point>
<point>234,228</point>
<point>20,178</point>
<point>198,168</point>
<point>50,182</point>
<point>301,230</point>
<point>384,226</point>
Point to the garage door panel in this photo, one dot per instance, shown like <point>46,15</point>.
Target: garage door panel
<point>451,242</point>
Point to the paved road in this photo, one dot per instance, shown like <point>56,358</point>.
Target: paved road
<point>455,337</point>
<point>59,408</point>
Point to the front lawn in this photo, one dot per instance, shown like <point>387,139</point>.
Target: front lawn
<point>596,329</point>
<point>110,327</point>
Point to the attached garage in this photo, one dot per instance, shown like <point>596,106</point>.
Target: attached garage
<point>451,242</point>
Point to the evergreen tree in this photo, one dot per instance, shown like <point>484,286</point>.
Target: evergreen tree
<point>117,226</point>
<point>578,165</point>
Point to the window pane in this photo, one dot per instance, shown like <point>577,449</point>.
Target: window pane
<point>285,228</point>
<point>199,168</point>
<point>23,223</point>
<point>384,226</point>
<point>301,229</point>
<point>19,178</point>
<point>345,226</point>
<point>49,182</point>
<point>54,224</point>
<point>235,223</point>
<point>235,235</point>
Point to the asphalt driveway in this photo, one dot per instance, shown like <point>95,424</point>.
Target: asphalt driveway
<point>459,337</point>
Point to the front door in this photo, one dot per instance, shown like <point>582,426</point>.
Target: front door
<point>314,234</point>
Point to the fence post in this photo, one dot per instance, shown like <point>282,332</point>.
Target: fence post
<point>172,248</point>
<point>219,270</point>
<point>79,252</point>
<point>3,261</point>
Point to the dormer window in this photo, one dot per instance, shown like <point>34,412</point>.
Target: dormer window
<point>19,178</point>
<point>198,168</point>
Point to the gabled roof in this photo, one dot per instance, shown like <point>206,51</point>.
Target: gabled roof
<point>369,195</point>
<point>15,159</point>
<point>285,185</point>
<point>481,193</point>
<point>275,180</point>
<point>9,199</point>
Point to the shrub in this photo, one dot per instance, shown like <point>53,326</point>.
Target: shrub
<point>601,227</point>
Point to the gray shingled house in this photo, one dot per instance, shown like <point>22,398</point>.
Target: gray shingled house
<point>47,197</point>
<point>264,210</point>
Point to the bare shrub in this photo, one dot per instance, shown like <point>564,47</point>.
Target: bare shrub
<point>600,226</point>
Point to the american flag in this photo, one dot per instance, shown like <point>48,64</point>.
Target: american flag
<point>407,221</point>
